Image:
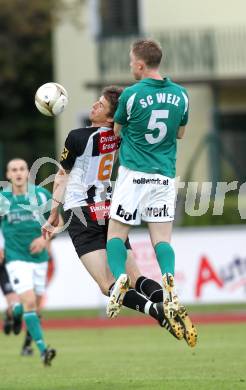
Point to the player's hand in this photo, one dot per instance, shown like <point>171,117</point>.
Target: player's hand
<point>49,228</point>
<point>38,245</point>
<point>1,256</point>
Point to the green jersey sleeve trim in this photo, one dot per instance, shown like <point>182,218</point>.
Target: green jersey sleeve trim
<point>186,110</point>
<point>45,192</point>
<point>123,112</point>
<point>129,105</point>
<point>4,204</point>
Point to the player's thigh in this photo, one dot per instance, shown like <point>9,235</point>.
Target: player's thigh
<point>160,232</point>
<point>40,277</point>
<point>39,302</point>
<point>28,300</point>
<point>96,264</point>
<point>132,268</point>
<point>88,235</point>
<point>21,276</point>
<point>158,205</point>
<point>126,198</point>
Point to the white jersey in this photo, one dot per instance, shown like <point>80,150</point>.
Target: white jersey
<point>89,155</point>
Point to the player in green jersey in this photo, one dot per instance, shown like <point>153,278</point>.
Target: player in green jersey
<point>25,250</point>
<point>151,115</point>
<point>83,181</point>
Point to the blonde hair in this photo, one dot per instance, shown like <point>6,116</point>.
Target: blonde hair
<point>149,51</point>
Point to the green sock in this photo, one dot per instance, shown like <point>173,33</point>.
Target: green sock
<point>17,310</point>
<point>33,326</point>
<point>117,255</point>
<point>165,257</point>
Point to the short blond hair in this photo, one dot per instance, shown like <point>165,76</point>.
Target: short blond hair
<point>149,51</point>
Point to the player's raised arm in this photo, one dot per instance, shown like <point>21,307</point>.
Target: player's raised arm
<point>184,121</point>
<point>117,129</point>
<point>59,188</point>
<point>1,255</point>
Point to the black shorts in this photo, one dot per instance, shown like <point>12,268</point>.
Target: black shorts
<point>4,281</point>
<point>87,230</point>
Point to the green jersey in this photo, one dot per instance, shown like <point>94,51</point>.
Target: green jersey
<point>21,223</point>
<point>151,112</point>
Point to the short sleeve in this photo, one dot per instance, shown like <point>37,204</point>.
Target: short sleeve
<point>68,155</point>
<point>44,205</point>
<point>46,194</point>
<point>120,115</point>
<point>4,205</point>
<point>185,116</point>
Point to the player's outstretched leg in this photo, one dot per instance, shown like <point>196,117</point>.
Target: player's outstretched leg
<point>7,323</point>
<point>136,301</point>
<point>48,355</point>
<point>118,292</point>
<point>174,327</point>
<point>26,349</point>
<point>33,326</point>
<point>170,297</point>
<point>190,332</point>
<point>17,312</point>
<point>154,292</point>
<point>149,288</point>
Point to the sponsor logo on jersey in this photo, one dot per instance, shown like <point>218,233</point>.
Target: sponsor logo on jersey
<point>20,216</point>
<point>64,154</point>
<point>143,180</point>
<point>125,214</point>
<point>108,142</point>
<point>99,211</point>
<point>157,211</point>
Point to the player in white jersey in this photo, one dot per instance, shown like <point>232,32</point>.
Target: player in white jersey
<point>86,167</point>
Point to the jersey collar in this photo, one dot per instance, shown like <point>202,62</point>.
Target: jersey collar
<point>157,83</point>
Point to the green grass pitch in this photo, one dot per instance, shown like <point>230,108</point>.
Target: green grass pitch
<point>129,358</point>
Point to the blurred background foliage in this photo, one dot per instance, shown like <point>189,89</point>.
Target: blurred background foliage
<point>26,63</point>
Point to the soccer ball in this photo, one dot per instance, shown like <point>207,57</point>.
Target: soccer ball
<point>51,99</point>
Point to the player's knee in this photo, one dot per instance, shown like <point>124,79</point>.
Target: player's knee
<point>104,288</point>
<point>29,305</point>
<point>105,282</point>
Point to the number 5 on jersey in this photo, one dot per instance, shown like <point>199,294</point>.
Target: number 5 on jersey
<point>153,124</point>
